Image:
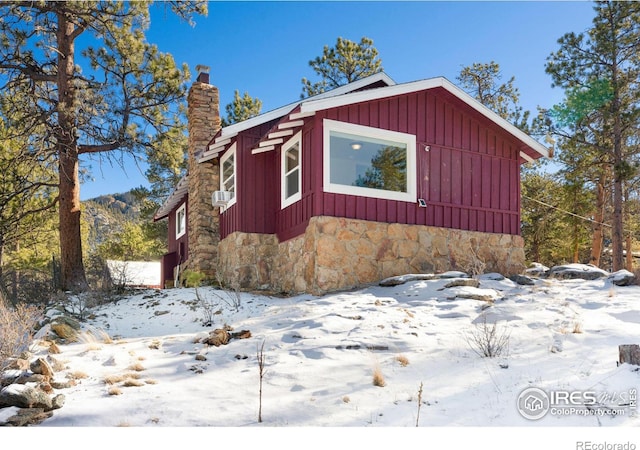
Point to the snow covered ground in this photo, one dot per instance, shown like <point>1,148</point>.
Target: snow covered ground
<point>321,353</point>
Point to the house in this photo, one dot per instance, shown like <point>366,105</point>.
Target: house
<point>370,180</point>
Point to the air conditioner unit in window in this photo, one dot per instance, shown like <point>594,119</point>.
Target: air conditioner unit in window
<point>221,198</point>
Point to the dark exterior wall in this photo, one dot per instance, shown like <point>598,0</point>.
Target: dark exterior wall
<point>177,249</point>
<point>257,186</point>
<point>469,176</point>
<point>468,168</point>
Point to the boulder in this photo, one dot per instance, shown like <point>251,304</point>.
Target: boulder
<point>622,278</point>
<point>24,396</point>
<point>577,271</point>
<point>25,417</point>
<point>42,367</point>
<point>522,280</point>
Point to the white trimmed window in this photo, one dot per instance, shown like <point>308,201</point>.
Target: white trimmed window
<point>369,162</point>
<point>228,174</point>
<point>181,221</point>
<point>291,169</point>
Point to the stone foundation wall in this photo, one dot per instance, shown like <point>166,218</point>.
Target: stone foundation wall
<point>337,253</point>
<point>245,260</point>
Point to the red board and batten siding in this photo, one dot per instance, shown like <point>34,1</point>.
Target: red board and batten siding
<point>257,187</point>
<point>468,172</point>
<point>468,168</point>
<point>177,249</point>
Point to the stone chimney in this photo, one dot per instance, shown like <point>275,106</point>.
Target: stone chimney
<point>203,114</point>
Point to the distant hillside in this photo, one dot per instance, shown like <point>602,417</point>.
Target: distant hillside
<point>108,213</point>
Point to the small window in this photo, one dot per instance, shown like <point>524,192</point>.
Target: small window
<point>369,162</point>
<point>228,174</point>
<point>291,171</point>
<point>181,221</point>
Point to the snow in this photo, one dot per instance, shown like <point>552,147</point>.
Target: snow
<point>321,352</point>
<point>136,273</point>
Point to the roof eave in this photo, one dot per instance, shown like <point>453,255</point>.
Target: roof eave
<point>314,105</point>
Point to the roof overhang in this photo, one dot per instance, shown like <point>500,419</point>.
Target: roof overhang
<point>222,140</point>
<point>314,105</point>
<point>176,197</point>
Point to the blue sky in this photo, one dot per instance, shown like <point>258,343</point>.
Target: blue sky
<point>264,48</point>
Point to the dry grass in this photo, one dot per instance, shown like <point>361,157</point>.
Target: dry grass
<point>151,381</point>
<point>130,382</point>
<point>378,378</point>
<point>577,327</point>
<point>113,379</point>
<point>77,375</point>
<point>136,367</point>
<point>346,399</point>
<point>114,390</point>
<point>155,345</point>
<point>403,360</point>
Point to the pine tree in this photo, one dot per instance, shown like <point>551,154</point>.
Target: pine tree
<point>348,61</point>
<point>482,82</point>
<point>599,71</point>
<point>117,94</point>
<point>242,108</point>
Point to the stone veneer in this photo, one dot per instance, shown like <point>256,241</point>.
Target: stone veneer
<point>204,121</point>
<point>337,253</point>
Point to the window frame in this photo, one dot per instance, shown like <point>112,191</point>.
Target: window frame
<point>231,152</point>
<point>288,201</point>
<point>376,133</point>
<point>181,230</point>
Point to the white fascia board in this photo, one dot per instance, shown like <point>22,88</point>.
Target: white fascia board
<point>526,157</point>
<point>314,105</point>
<point>174,198</point>
<point>236,128</point>
<point>258,120</point>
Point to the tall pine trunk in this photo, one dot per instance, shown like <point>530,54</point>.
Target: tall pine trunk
<point>597,239</point>
<point>72,268</point>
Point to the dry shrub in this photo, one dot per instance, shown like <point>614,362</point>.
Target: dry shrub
<point>577,327</point>
<point>487,340</point>
<point>378,378</point>
<point>155,345</point>
<point>403,360</point>
<point>151,381</point>
<point>77,375</point>
<point>346,399</point>
<point>16,330</point>
<point>114,390</point>
<point>113,379</point>
<point>136,367</point>
<point>130,382</point>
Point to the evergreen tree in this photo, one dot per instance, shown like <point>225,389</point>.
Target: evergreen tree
<point>482,82</point>
<point>599,71</point>
<point>348,61</point>
<point>242,108</point>
<point>118,94</point>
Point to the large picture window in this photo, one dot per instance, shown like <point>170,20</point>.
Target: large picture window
<point>228,174</point>
<point>291,187</point>
<point>369,162</point>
